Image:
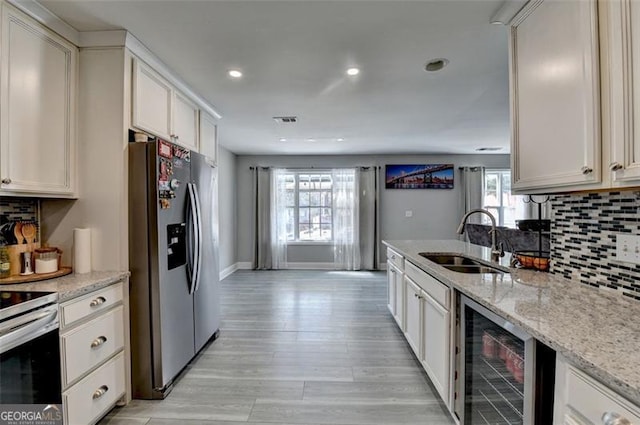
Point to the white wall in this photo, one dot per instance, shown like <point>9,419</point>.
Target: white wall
<point>436,213</point>
<point>102,203</point>
<point>227,204</point>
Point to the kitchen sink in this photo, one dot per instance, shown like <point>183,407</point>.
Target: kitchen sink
<point>472,269</point>
<point>453,260</point>
<point>460,264</point>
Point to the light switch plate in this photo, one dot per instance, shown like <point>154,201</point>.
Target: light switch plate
<point>628,248</point>
<point>408,213</point>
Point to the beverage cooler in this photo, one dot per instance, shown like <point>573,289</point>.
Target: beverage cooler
<point>506,377</point>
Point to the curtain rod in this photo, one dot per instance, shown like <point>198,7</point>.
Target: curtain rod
<point>366,167</point>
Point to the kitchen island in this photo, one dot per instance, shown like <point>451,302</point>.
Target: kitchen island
<point>596,330</point>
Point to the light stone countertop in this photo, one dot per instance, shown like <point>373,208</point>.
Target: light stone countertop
<point>595,329</point>
<point>71,285</point>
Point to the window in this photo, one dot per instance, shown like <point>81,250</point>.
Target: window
<point>497,198</point>
<point>308,205</point>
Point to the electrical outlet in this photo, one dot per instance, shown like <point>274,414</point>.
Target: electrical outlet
<point>628,248</point>
<point>408,213</point>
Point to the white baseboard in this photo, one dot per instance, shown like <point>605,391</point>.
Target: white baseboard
<point>311,266</point>
<point>228,271</point>
<point>244,265</point>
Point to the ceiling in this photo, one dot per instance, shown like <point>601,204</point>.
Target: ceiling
<point>294,55</point>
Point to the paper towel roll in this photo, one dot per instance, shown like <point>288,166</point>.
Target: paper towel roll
<point>82,250</point>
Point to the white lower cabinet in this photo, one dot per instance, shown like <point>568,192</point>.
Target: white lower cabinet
<point>428,326</point>
<point>94,353</point>
<point>391,289</point>
<point>436,324</point>
<point>413,315</point>
<point>395,286</point>
<point>97,393</point>
<point>582,400</point>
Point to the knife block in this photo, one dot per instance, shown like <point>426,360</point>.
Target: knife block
<point>14,255</point>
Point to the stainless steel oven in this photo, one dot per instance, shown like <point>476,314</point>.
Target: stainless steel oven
<point>506,377</point>
<point>29,348</point>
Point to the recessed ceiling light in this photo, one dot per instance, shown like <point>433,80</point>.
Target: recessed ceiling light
<point>436,64</point>
<point>353,71</point>
<point>339,139</point>
<point>311,139</point>
<point>234,73</point>
<point>282,139</point>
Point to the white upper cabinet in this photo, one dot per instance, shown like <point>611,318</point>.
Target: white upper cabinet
<point>152,97</point>
<point>185,121</point>
<point>555,105</point>
<point>621,99</point>
<point>37,109</point>
<point>209,136</point>
<point>160,109</point>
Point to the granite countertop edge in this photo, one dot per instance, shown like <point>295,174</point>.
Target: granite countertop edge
<point>72,285</point>
<point>556,305</point>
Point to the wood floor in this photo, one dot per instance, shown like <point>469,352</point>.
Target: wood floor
<point>299,347</point>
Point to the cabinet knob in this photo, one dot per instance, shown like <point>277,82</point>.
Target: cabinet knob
<point>96,302</point>
<point>612,418</point>
<point>98,341</point>
<point>6,180</point>
<point>615,166</point>
<point>100,392</point>
<point>586,170</point>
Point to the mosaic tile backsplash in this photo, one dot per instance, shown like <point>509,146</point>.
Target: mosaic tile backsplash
<point>583,239</point>
<point>17,209</point>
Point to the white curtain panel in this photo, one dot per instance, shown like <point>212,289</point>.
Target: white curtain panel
<point>279,214</point>
<point>472,179</point>
<point>346,240</point>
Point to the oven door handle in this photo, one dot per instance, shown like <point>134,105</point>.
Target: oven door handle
<point>32,330</point>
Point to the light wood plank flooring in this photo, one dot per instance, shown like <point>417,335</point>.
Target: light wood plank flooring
<point>299,347</point>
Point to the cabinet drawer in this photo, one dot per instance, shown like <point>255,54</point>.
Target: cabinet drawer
<point>90,344</point>
<point>438,291</point>
<point>590,399</point>
<point>100,300</point>
<point>395,259</point>
<point>91,398</point>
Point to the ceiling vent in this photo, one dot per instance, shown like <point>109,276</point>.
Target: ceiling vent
<point>286,120</point>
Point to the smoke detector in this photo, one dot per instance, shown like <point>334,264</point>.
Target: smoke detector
<point>286,120</point>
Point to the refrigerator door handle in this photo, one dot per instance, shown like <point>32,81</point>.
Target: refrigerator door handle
<point>193,242</point>
<point>199,238</point>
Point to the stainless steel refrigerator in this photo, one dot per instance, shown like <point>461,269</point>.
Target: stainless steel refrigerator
<point>173,257</point>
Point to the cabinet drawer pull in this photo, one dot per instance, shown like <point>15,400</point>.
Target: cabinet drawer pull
<point>612,418</point>
<point>6,181</point>
<point>96,302</point>
<point>98,341</point>
<point>586,170</point>
<point>615,166</point>
<point>100,392</point>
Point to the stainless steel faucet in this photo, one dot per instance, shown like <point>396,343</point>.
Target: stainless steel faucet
<point>495,252</point>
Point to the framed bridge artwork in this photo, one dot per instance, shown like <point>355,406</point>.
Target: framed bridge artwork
<point>419,176</point>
